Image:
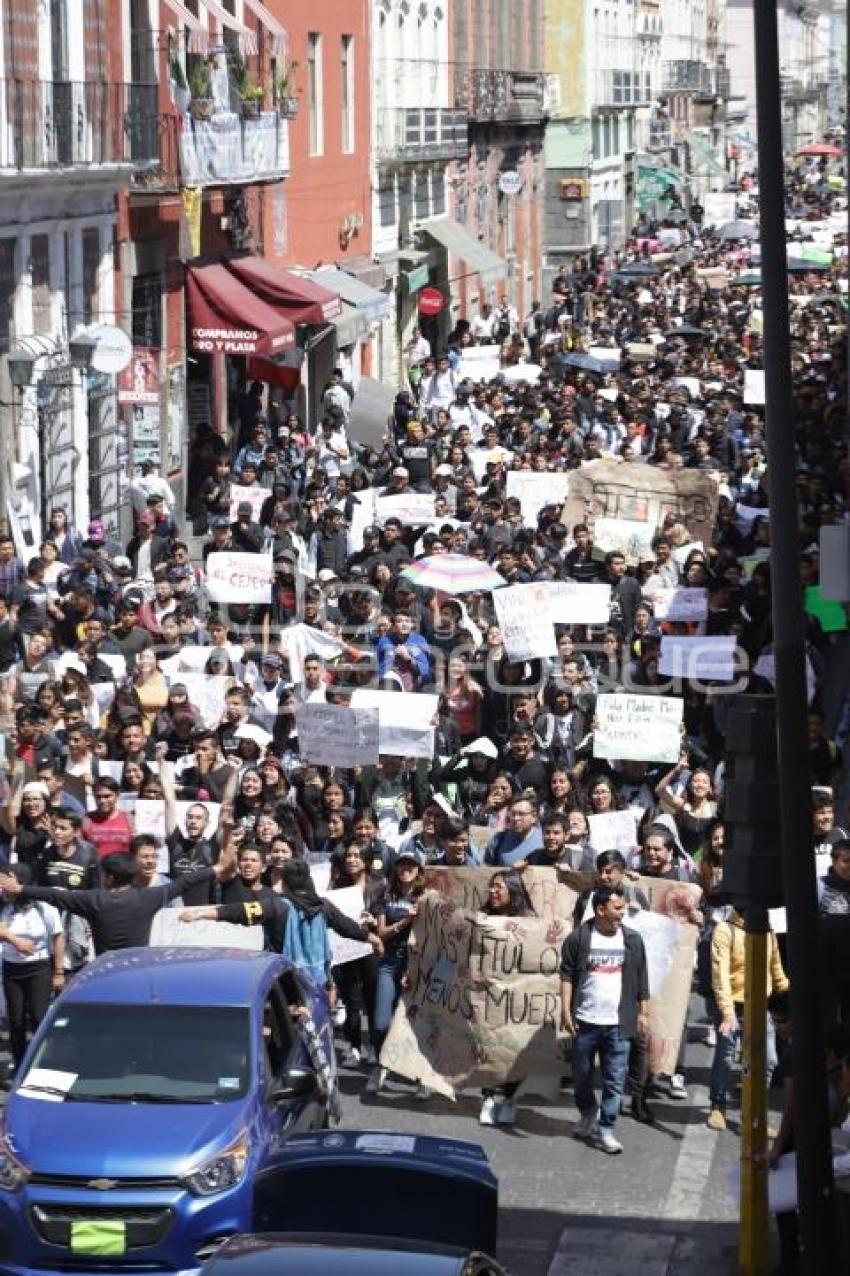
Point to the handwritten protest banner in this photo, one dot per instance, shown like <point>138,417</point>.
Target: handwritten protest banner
<point>571,603</point>
<point>613,831</point>
<point>700,659</point>
<point>149,816</point>
<point>633,728</point>
<point>206,691</point>
<point>625,535</point>
<point>349,900</point>
<point>479,1008</point>
<point>480,363</point>
<point>167,931</point>
<point>335,735</point>
<point>754,386</point>
<point>523,614</point>
<point>642,494</point>
<point>234,577</point>
<point>535,491</point>
<point>255,496</point>
<point>405,723</point>
<point>682,605</point>
<point>414,509</point>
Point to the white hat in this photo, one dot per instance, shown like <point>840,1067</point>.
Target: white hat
<point>482,745</point>
<point>250,731</point>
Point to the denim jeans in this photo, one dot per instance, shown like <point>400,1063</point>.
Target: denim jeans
<point>613,1050</point>
<point>725,1051</point>
<point>388,990</point>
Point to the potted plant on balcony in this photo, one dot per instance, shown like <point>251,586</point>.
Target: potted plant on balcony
<point>250,95</point>
<point>287,92</point>
<point>200,86</point>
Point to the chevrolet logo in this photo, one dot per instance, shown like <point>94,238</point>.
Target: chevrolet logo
<point>102,1185</point>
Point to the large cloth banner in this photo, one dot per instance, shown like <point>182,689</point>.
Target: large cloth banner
<point>482,1005</point>
<point>640,494</point>
<point>633,728</point>
<point>234,577</point>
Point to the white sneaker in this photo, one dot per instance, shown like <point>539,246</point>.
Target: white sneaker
<point>607,1142</point>
<point>377,1080</point>
<point>505,1113</point>
<point>585,1128</point>
<point>350,1059</point>
<point>339,1016</point>
<point>487,1115</point>
<point>677,1088</point>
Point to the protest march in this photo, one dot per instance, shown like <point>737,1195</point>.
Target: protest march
<point>459,695</point>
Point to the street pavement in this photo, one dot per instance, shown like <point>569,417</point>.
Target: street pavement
<point>661,1208</point>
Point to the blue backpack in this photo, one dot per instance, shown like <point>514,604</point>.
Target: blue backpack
<point>306,943</point>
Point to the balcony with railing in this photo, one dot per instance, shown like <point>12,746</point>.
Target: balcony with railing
<point>224,149</point>
<point>486,94</point>
<point>659,136</point>
<point>687,77</point>
<point>619,90</point>
<point>55,125</point>
<point>411,135</point>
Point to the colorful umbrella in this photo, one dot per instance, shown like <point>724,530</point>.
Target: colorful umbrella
<point>819,148</point>
<point>453,574</point>
<point>749,279</point>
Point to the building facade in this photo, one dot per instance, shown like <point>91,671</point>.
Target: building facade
<point>76,116</point>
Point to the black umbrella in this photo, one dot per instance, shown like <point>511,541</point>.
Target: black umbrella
<point>737,230</point>
<point>587,362</point>
<point>637,270</point>
<point>687,332</point>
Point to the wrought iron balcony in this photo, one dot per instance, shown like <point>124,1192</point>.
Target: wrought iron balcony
<point>224,150</point>
<point>486,94</point>
<point>687,77</point>
<point>412,134</point>
<point>48,125</point>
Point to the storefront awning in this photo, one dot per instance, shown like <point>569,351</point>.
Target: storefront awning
<point>366,300</point>
<point>246,38</point>
<point>198,40</point>
<point>300,299</point>
<point>458,241</point>
<point>226,317</point>
<point>276,32</point>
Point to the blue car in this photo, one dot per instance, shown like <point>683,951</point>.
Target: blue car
<point>160,1084</point>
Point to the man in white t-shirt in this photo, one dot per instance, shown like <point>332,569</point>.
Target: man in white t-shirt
<point>604,1004</point>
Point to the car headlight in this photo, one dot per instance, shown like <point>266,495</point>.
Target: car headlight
<point>221,1172</point>
<point>13,1172</point>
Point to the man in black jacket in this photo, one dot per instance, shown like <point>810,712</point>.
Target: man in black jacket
<point>604,1004</point>
<point>625,593</point>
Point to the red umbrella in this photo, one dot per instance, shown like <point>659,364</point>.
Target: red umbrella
<point>819,148</point>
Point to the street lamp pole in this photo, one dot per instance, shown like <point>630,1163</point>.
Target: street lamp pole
<point>815,1190</point>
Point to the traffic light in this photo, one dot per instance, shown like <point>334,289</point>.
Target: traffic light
<point>752,862</point>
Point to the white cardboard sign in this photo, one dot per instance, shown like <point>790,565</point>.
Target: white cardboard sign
<point>638,728</point>
<point>235,577</point>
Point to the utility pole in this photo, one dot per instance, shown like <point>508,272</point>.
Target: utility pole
<point>815,1190</point>
<point>754,1235</point>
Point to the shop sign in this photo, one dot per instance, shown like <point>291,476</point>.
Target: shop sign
<point>510,182</point>
<point>417,278</point>
<point>431,301</point>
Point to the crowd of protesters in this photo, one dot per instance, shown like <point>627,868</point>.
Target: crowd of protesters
<point>92,724</point>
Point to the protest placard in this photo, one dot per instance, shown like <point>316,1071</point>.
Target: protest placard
<point>552,894</point>
<point>834,578</point>
<point>405,722</point>
<point>336,735</point>
<point>572,603</point>
<point>523,614</point>
<point>149,816</point>
<point>754,385</point>
<point>535,491</point>
<point>206,691</point>
<point>613,831</point>
<point>371,410</point>
<point>606,354</point>
<point>627,536</point>
<point>234,577</point>
<point>675,604</point>
<point>607,489</point>
<point>701,659</point>
<point>479,1011</point>
<point>349,900</point>
<point>632,728</point>
<point>719,206</point>
<point>255,496</point>
<point>682,553</point>
<point>167,931</point>
<point>413,509</point>
<point>480,363</point>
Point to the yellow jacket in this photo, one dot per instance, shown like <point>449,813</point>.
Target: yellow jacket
<point>728,964</point>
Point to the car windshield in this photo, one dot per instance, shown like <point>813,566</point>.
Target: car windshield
<point>143,1054</point>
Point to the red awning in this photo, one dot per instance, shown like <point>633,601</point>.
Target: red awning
<point>225,317</point>
<point>301,300</point>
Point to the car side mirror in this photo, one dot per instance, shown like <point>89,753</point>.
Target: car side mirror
<point>296,1083</point>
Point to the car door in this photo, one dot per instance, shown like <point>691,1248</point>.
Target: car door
<point>297,997</point>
